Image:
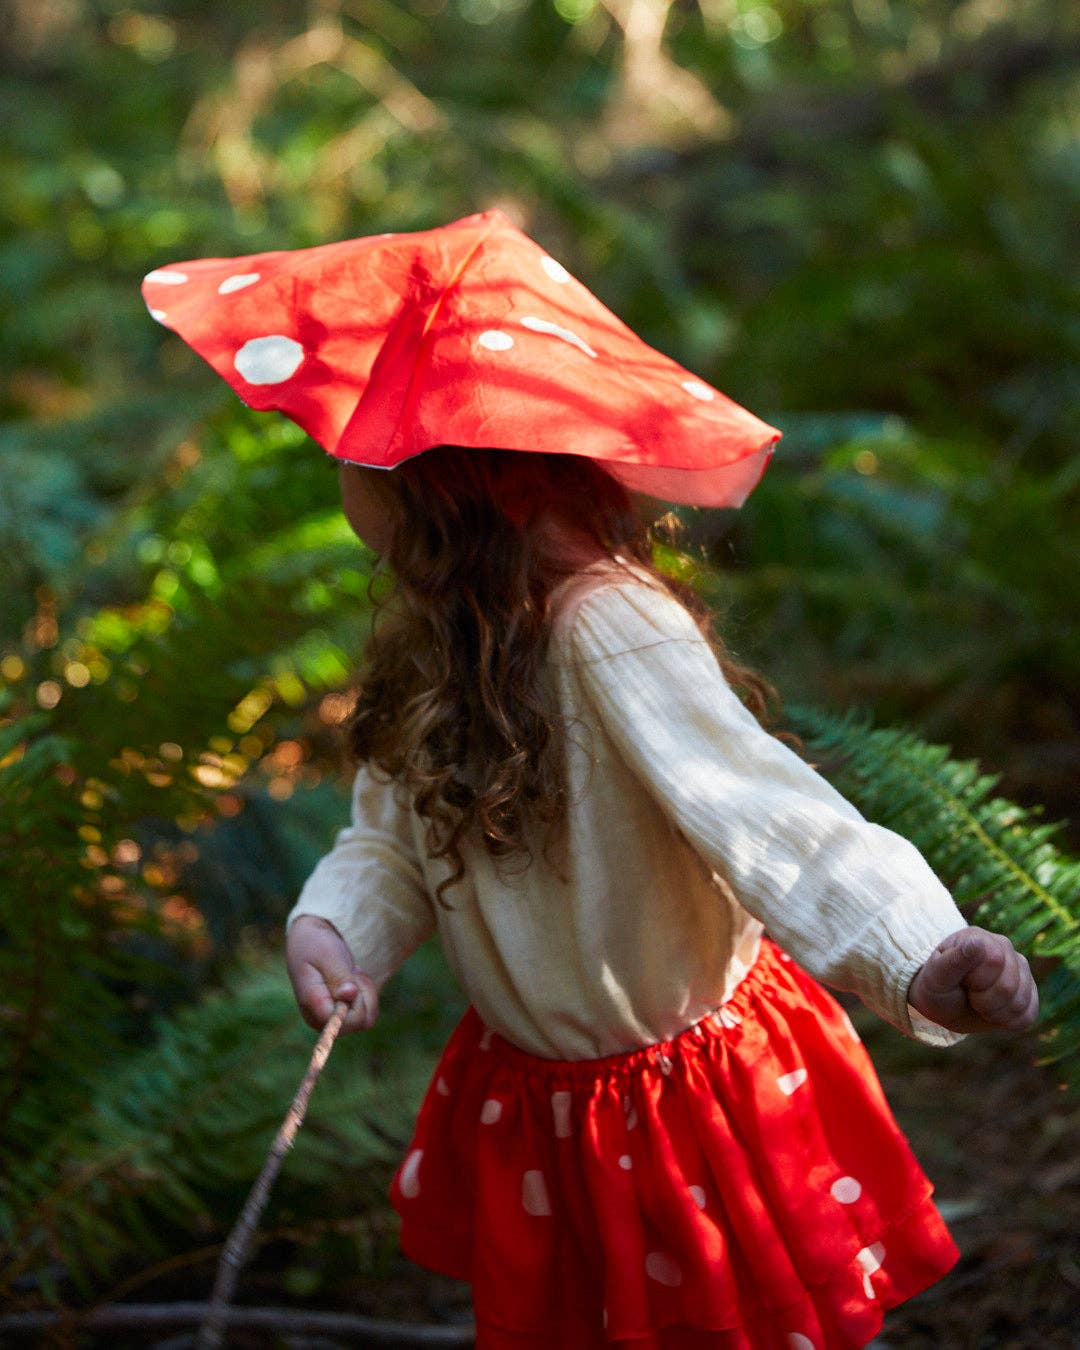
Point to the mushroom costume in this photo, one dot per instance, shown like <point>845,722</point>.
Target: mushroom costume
<point>470,334</point>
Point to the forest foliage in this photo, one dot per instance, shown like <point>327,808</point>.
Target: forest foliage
<point>857,219</point>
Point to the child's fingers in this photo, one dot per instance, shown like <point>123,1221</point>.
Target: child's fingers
<point>312,995</point>
<point>952,961</point>
<point>365,1003</point>
<point>1002,990</point>
<point>322,971</point>
<point>1021,1012</point>
<point>996,967</point>
<point>1030,1015</point>
<point>316,998</point>
<point>976,980</point>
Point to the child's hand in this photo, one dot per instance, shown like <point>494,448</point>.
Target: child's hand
<point>322,970</point>
<point>976,980</point>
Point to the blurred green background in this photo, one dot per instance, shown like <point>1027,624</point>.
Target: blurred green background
<point>858,219</point>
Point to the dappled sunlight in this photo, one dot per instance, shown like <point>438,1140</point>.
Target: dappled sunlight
<point>853,218</point>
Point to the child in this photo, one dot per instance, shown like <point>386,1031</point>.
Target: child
<point>653,1127</point>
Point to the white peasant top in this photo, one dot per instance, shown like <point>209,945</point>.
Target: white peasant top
<point>691,830</point>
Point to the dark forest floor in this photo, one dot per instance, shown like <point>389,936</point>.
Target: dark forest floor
<point>1001,1144</point>
<point>997,1137</point>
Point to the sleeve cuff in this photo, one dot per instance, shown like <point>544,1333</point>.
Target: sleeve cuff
<point>915,927</point>
<point>930,1033</point>
<point>913,1023</point>
<point>297,913</point>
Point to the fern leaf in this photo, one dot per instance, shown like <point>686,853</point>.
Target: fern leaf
<point>998,859</point>
<point>175,1135</point>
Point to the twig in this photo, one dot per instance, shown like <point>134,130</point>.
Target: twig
<point>212,1331</point>
<point>367,1331</point>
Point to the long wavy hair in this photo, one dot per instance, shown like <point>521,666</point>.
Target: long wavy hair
<point>451,693</point>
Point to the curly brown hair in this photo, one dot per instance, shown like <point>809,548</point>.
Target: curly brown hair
<point>450,699</point>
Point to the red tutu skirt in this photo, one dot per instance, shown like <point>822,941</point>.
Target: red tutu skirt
<point>741,1187</point>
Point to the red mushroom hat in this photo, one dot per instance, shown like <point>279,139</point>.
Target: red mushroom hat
<point>470,334</point>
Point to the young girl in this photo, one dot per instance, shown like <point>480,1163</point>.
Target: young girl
<point>653,1128</point>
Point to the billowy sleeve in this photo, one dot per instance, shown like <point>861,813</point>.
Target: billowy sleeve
<point>370,885</point>
<point>854,903</point>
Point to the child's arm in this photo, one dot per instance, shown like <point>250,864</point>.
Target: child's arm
<point>362,912</point>
<point>856,904</point>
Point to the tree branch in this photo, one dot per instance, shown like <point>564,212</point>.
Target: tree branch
<point>211,1333</point>
<point>368,1331</point>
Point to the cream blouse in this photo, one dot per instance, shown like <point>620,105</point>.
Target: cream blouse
<point>691,830</point>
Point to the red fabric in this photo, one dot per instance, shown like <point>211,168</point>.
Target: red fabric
<point>470,334</point>
<point>742,1187</point>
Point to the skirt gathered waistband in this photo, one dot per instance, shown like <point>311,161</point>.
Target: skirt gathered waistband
<point>740,1186</point>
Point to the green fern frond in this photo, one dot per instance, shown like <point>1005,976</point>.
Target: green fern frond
<point>998,859</point>
<point>169,1145</point>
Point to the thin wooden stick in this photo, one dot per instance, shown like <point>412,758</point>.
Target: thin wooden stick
<point>159,1317</point>
<point>212,1332</point>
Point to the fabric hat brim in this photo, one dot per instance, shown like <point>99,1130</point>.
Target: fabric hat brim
<point>386,346</point>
